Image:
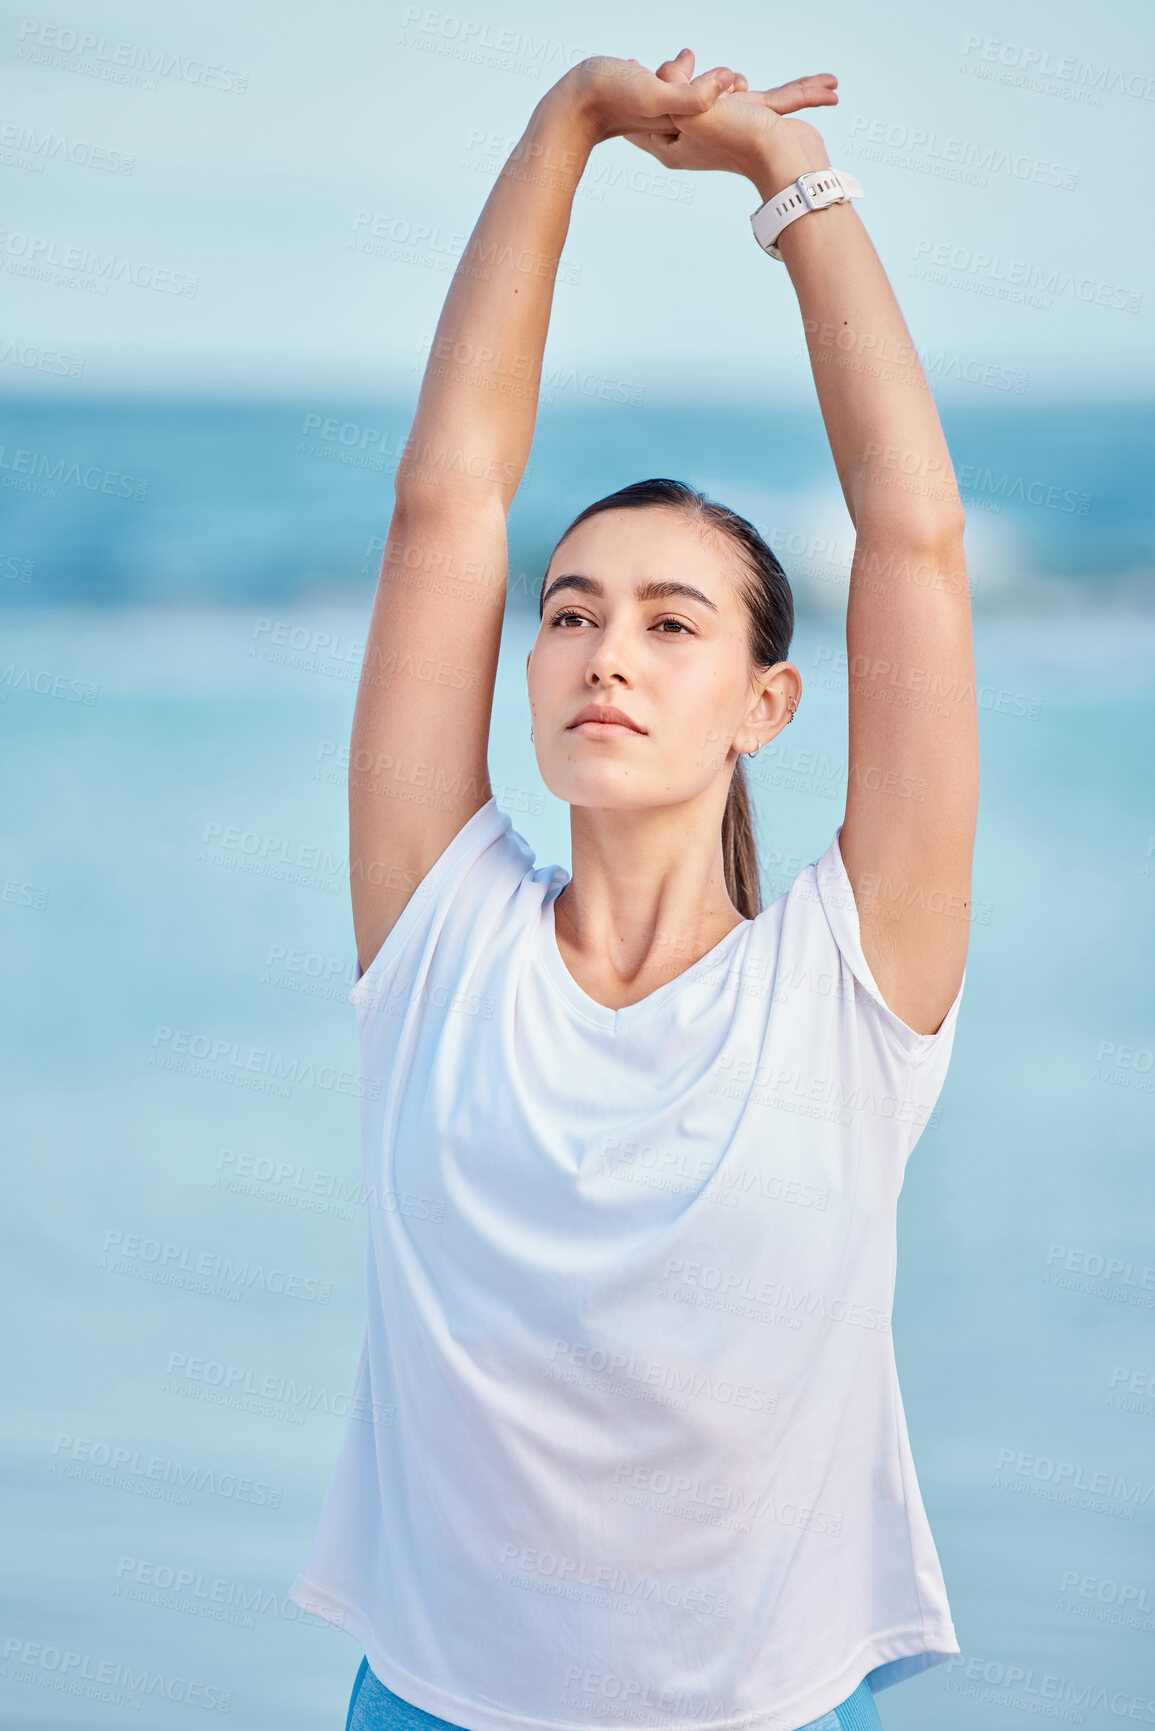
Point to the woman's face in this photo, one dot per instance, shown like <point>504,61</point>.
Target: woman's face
<point>642,613</point>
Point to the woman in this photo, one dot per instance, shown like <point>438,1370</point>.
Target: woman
<point>629,1444</point>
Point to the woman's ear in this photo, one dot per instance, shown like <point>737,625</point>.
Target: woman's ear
<point>778,699</point>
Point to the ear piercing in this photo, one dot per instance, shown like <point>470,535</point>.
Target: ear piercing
<point>793,702</point>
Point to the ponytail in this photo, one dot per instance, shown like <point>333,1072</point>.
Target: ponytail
<point>740,847</point>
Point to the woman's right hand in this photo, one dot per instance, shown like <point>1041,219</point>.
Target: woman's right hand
<point>617,98</point>
<point>746,129</point>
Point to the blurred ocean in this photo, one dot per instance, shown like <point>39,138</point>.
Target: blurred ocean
<point>144,503</point>
<point>173,883</point>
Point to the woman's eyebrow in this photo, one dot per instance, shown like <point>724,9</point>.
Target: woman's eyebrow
<point>657,589</point>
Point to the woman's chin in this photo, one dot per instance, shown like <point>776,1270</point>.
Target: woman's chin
<point>613,787</point>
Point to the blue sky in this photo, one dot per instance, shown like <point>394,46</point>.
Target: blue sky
<point>268,190</point>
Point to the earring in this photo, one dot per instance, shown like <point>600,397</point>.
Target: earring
<point>531,733</point>
<point>753,753</point>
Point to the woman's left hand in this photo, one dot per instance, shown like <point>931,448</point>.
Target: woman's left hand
<point>743,129</point>
<point>620,98</point>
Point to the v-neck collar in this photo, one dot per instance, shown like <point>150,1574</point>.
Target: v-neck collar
<point>614,1021</point>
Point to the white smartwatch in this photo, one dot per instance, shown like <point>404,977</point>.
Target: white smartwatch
<point>814,190</point>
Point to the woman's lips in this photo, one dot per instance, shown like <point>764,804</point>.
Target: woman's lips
<point>604,718</point>
<point>599,729</point>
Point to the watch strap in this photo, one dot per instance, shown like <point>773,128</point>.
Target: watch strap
<point>814,190</point>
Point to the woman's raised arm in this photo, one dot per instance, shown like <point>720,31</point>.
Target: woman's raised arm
<point>913,772</point>
<point>418,754</point>
<point>907,837</point>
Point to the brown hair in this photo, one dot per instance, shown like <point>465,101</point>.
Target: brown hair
<point>770,604</point>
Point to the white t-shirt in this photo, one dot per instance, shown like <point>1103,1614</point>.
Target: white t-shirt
<point>628,1445</point>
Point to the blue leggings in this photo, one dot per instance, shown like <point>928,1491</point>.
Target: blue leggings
<point>373,1707</point>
